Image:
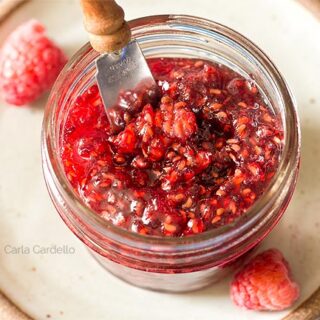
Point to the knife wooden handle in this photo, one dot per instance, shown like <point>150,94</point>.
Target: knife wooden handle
<point>104,21</point>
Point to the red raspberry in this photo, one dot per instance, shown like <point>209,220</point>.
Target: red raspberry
<point>176,120</point>
<point>29,64</point>
<point>265,283</point>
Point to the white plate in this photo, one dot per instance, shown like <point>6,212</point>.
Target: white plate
<point>74,286</point>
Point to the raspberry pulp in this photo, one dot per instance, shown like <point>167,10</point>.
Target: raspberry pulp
<point>190,160</point>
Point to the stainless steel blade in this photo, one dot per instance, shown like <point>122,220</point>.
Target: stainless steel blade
<point>119,72</point>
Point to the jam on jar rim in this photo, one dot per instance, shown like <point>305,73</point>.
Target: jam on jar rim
<point>252,214</point>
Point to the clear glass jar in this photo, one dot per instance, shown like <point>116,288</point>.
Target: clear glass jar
<point>174,264</point>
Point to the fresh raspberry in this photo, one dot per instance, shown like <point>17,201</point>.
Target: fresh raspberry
<point>265,283</point>
<point>29,64</point>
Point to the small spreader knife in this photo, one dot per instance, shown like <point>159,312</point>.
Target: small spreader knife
<point>121,65</point>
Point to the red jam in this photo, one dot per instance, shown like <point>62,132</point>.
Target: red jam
<point>193,159</point>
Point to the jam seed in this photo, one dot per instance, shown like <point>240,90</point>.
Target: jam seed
<point>215,219</point>
<point>232,207</point>
<point>177,158</point>
<point>119,159</point>
<point>243,120</point>
<point>170,227</point>
<point>246,191</point>
<point>235,147</point>
<point>220,193</point>
<point>222,115</point>
<point>179,197</point>
<point>181,165</point>
<point>276,140</point>
<point>254,168</point>
<point>232,141</point>
<point>217,106</point>
<point>257,150</point>
<point>232,156</point>
<point>215,91</point>
<point>199,64</point>
<point>71,175</point>
<point>266,117</point>
<point>190,215</point>
<point>220,211</point>
<point>242,104</point>
<point>180,104</point>
<point>187,204</point>
<point>238,180</point>
<point>240,129</point>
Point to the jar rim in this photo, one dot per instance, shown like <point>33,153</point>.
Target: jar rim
<point>289,157</point>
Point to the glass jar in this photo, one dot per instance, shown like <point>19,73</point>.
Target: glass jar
<point>174,264</point>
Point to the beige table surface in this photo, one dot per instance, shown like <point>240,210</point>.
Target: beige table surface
<point>74,287</point>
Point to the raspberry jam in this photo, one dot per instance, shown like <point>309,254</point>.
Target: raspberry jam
<point>193,158</point>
